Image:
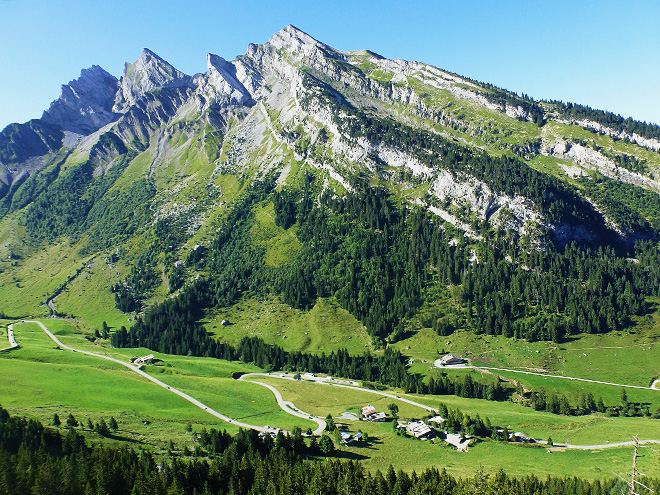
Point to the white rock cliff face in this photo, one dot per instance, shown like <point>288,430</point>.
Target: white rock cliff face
<point>652,144</point>
<point>479,198</point>
<point>220,85</point>
<point>592,159</point>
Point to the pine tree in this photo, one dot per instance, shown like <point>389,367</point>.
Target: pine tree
<point>329,423</point>
<point>71,421</point>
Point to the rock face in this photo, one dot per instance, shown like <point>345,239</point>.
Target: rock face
<point>591,159</point>
<point>652,144</point>
<point>282,99</point>
<point>18,142</point>
<point>147,73</point>
<point>477,197</point>
<point>85,104</point>
<point>220,85</point>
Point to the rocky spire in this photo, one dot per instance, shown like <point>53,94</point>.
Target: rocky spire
<point>222,84</point>
<point>146,73</point>
<point>85,104</point>
<point>295,40</point>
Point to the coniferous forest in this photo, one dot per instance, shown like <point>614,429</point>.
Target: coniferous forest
<point>379,260</point>
<point>40,460</point>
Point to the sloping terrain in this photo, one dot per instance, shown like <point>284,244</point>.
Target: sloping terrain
<point>298,175</point>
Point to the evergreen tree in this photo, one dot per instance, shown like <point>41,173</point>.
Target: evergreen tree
<point>326,445</point>
<point>71,421</point>
<point>329,423</point>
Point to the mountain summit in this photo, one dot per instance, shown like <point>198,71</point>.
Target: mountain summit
<point>147,73</point>
<point>155,169</point>
<point>85,104</point>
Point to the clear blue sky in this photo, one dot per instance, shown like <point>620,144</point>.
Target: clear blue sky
<point>605,54</point>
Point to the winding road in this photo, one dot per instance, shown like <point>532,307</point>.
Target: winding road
<point>598,447</point>
<point>325,381</point>
<point>572,378</point>
<point>290,408</point>
<point>286,406</point>
<point>10,334</point>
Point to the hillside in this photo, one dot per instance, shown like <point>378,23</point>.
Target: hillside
<point>299,186</point>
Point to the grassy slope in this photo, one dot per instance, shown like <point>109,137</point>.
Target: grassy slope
<point>326,327</point>
<point>387,447</point>
<point>31,280</point>
<point>40,380</point>
<point>88,297</point>
<point>637,353</point>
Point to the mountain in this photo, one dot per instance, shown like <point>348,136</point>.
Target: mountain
<point>411,196</point>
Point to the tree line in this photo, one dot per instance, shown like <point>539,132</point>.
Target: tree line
<point>38,460</point>
<point>558,403</point>
<point>608,119</point>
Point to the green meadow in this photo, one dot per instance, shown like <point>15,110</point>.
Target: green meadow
<point>324,328</point>
<point>630,357</point>
<point>515,459</point>
<point>40,380</point>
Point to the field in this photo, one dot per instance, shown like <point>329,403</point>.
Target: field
<point>326,327</point>
<point>40,380</point>
<point>385,447</point>
<point>636,353</point>
<point>578,430</point>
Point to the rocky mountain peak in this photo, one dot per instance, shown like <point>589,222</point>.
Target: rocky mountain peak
<point>296,42</point>
<point>84,104</point>
<point>147,73</point>
<point>221,84</point>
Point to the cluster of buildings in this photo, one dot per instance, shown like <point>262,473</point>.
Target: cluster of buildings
<point>423,431</point>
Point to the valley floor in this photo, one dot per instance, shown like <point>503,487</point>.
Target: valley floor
<point>322,395</point>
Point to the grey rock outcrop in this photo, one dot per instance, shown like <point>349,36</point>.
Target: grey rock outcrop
<point>488,205</point>
<point>85,104</point>
<point>147,73</point>
<point>594,160</point>
<point>220,86</point>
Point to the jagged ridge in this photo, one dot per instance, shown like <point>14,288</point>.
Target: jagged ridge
<point>479,159</point>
